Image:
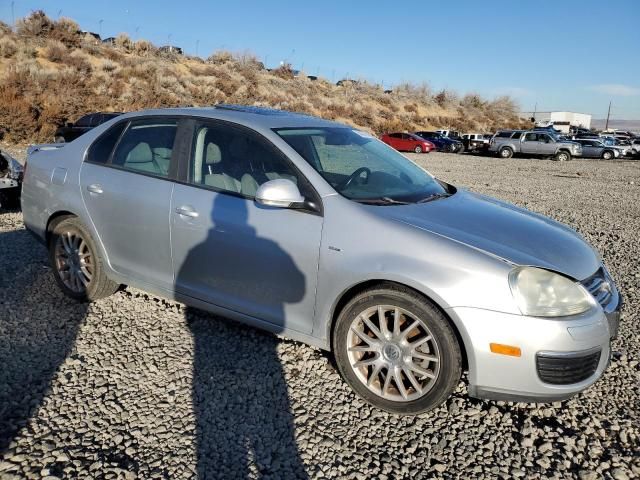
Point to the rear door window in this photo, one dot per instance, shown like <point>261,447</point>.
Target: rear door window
<point>146,147</point>
<point>100,150</point>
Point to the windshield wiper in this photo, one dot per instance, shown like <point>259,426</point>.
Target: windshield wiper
<point>382,201</point>
<point>435,196</point>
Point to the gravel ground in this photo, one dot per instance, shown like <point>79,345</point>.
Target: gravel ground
<point>136,386</point>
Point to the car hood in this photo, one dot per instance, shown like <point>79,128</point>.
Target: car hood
<point>503,230</point>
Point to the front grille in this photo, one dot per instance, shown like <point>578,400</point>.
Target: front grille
<point>566,369</point>
<point>599,285</point>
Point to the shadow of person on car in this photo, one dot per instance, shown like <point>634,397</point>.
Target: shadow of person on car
<point>240,399</point>
<point>38,329</point>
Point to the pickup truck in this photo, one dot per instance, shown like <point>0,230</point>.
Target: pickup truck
<point>474,142</point>
<point>535,143</point>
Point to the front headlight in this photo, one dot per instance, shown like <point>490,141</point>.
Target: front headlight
<point>541,293</point>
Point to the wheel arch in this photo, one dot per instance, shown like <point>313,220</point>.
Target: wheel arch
<point>354,290</point>
<point>53,220</point>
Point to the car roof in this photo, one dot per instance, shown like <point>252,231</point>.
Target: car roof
<point>250,116</point>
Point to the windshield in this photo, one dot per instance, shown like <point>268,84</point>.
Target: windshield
<point>362,168</point>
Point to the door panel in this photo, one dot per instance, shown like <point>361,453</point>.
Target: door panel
<point>131,216</point>
<point>529,144</point>
<point>234,253</point>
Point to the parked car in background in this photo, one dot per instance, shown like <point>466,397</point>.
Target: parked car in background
<point>635,146</point>
<point>442,143</point>
<point>623,146</point>
<point>450,133</point>
<point>11,173</point>
<point>535,143</point>
<point>596,148</point>
<point>71,131</point>
<point>321,233</point>
<point>475,142</point>
<point>408,142</point>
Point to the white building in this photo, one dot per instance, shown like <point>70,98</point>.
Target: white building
<point>562,121</point>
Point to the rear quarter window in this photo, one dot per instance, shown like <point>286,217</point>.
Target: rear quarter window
<point>100,150</point>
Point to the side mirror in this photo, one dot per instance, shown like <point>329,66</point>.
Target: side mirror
<point>281,193</point>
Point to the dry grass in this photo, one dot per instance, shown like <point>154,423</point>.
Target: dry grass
<point>50,74</point>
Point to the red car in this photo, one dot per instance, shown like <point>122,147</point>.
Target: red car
<point>408,142</point>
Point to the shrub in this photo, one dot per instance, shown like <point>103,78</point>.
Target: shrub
<point>56,52</point>
<point>35,25</point>
<point>220,57</point>
<point>8,47</point>
<point>124,42</point>
<point>79,62</point>
<point>283,71</point>
<point>142,47</point>
<point>109,66</point>
<point>66,31</point>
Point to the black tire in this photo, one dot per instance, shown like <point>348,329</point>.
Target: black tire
<point>563,156</point>
<point>505,152</point>
<point>607,155</point>
<point>441,330</point>
<point>452,148</point>
<point>461,149</point>
<point>100,285</point>
<point>418,149</point>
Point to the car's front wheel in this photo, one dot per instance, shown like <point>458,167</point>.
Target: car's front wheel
<point>76,263</point>
<point>607,155</point>
<point>563,156</point>
<point>506,152</point>
<point>397,350</point>
<point>418,149</point>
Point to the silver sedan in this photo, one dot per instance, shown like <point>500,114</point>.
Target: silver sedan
<point>321,233</point>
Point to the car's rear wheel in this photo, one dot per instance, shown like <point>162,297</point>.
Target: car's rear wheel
<point>397,350</point>
<point>418,149</point>
<point>506,152</point>
<point>563,156</point>
<point>76,263</point>
<point>607,155</point>
<point>452,148</point>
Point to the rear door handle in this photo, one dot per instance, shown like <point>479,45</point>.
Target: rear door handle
<point>187,211</point>
<point>95,188</point>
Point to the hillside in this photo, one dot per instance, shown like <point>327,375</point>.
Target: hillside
<point>50,74</point>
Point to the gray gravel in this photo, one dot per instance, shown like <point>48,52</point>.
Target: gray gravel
<point>135,386</point>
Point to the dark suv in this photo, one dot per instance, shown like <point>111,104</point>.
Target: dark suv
<point>442,143</point>
<point>71,131</point>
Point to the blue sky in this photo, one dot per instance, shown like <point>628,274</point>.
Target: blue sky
<point>565,55</point>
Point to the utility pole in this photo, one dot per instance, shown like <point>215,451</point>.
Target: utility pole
<point>606,127</point>
<point>100,23</point>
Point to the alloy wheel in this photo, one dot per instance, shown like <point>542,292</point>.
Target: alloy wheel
<point>74,261</point>
<point>393,353</point>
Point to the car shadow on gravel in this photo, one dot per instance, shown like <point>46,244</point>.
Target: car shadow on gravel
<point>240,398</point>
<point>38,328</point>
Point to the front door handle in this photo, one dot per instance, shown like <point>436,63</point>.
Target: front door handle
<point>187,211</point>
<point>95,188</point>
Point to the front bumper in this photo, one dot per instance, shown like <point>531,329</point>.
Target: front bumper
<point>499,377</point>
